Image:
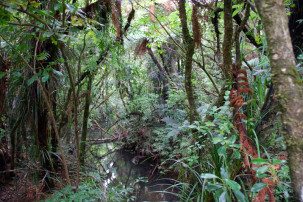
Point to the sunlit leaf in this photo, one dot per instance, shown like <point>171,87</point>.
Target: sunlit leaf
<point>222,197</point>
<point>208,123</point>
<point>208,176</point>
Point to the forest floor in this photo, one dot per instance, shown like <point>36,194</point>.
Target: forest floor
<point>23,191</point>
<point>22,188</point>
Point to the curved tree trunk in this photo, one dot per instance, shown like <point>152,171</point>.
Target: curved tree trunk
<point>85,120</point>
<point>189,48</point>
<point>227,54</point>
<point>286,82</point>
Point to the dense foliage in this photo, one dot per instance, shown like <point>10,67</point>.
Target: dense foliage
<point>186,86</point>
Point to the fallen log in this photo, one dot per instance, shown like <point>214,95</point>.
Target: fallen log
<point>106,140</point>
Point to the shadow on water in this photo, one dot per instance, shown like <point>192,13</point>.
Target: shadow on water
<point>126,171</point>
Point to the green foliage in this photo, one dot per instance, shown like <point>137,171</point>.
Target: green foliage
<point>5,16</point>
<point>131,98</point>
<point>91,189</point>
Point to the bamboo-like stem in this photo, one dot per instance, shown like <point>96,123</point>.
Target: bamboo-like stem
<point>71,80</point>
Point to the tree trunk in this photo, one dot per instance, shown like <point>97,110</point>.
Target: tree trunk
<point>85,120</point>
<point>286,82</point>
<point>189,48</point>
<point>54,141</point>
<point>227,54</point>
<point>228,36</point>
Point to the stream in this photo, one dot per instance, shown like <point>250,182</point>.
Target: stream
<point>127,171</point>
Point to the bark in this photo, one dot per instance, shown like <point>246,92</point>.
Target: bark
<point>215,22</point>
<point>117,20</point>
<point>189,52</point>
<point>228,35</point>
<point>286,82</point>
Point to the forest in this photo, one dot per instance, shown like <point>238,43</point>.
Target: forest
<point>151,100</point>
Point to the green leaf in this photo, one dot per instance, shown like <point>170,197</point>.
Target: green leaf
<point>222,151</point>
<point>218,193</point>
<point>237,154</point>
<point>76,21</point>
<point>4,16</point>
<point>212,187</point>
<point>300,57</point>
<point>262,169</point>
<point>208,123</point>
<point>278,161</point>
<point>45,76</point>
<point>234,185</point>
<point>71,8</point>
<point>54,41</point>
<point>240,196</point>
<point>236,145</point>
<point>57,73</point>
<point>42,56</point>
<point>259,72</point>
<point>32,80</point>
<point>216,140</point>
<point>233,139</point>
<point>258,187</point>
<point>259,161</point>
<point>237,10</point>
<point>222,197</point>
<point>208,176</point>
<point>43,12</point>
<point>47,34</point>
<point>223,173</point>
<point>34,4</point>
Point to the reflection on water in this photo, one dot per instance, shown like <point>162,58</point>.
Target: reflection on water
<point>126,171</point>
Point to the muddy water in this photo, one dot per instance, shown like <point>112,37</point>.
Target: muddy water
<point>127,171</point>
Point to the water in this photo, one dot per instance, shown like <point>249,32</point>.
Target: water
<point>126,170</point>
